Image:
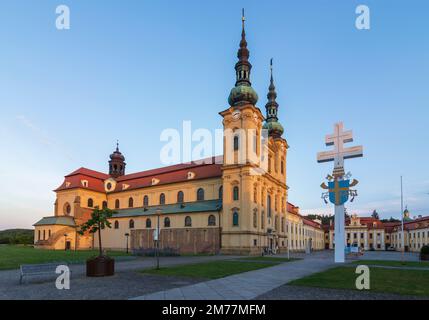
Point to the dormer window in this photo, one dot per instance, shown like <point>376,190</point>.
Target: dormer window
<point>155,181</point>
<point>84,183</point>
<point>68,184</point>
<point>191,175</point>
<point>125,186</point>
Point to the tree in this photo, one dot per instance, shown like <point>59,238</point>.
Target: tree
<point>375,214</point>
<point>97,222</point>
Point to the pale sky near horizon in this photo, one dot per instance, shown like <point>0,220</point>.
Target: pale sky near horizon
<point>129,69</point>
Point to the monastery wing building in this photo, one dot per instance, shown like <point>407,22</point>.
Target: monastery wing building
<point>217,205</point>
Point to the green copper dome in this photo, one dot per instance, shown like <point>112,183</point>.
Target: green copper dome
<point>274,128</point>
<point>242,94</point>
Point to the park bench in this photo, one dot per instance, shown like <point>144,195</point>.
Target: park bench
<point>38,269</point>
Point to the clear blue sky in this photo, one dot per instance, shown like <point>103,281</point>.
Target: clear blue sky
<point>129,69</point>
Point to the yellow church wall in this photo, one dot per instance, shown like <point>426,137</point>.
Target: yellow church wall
<point>115,238</point>
<point>189,188</point>
<point>64,198</point>
<point>70,196</point>
<point>56,240</point>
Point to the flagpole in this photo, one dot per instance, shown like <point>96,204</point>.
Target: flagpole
<point>402,220</point>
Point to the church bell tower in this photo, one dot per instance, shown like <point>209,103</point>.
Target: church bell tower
<point>117,163</point>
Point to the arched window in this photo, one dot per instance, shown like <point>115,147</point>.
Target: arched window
<point>116,224</point>
<point>67,209</point>
<point>212,220</point>
<point>255,219</point>
<point>162,198</point>
<point>38,238</point>
<point>235,193</point>
<point>131,224</point>
<point>145,201</point>
<point>130,202</point>
<point>188,221</point>
<point>104,205</point>
<point>167,222</point>
<point>236,142</point>
<point>148,223</point>
<point>90,203</point>
<point>262,220</point>
<point>180,197</point>
<point>220,192</point>
<point>276,223</point>
<point>235,219</point>
<point>44,234</point>
<point>269,206</point>
<point>117,204</point>
<point>255,194</point>
<point>200,194</point>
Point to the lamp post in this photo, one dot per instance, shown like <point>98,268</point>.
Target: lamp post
<point>288,241</point>
<point>402,225</point>
<point>127,235</point>
<point>158,213</point>
<point>65,241</point>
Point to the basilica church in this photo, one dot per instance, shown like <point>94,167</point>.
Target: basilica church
<point>229,204</point>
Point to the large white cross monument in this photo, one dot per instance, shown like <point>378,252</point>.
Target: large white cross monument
<point>339,184</point>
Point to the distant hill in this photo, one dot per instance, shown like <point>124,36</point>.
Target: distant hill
<point>17,236</point>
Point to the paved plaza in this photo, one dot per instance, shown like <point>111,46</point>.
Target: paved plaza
<point>128,283</point>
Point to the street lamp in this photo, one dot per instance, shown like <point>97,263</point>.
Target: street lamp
<point>127,235</point>
<point>65,241</point>
<point>156,238</point>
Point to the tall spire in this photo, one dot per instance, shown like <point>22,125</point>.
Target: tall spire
<point>272,105</point>
<point>243,66</point>
<point>274,127</point>
<point>243,92</point>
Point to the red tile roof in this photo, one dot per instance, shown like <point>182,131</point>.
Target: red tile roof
<point>420,223</point>
<point>165,175</point>
<point>89,173</point>
<point>291,208</point>
<point>311,223</point>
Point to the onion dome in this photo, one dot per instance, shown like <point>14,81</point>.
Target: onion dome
<point>243,93</point>
<point>117,154</point>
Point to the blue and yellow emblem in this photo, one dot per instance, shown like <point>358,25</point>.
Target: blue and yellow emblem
<point>339,191</point>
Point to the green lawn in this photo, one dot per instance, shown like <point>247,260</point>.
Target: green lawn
<point>410,264</point>
<point>269,259</point>
<point>404,282</point>
<point>11,256</point>
<point>210,270</point>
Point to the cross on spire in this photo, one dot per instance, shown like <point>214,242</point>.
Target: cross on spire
<point>339,153</point>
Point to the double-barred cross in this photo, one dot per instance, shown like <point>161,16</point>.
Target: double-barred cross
<point>339,153</point>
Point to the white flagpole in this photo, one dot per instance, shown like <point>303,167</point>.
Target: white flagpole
<point>402,220</point>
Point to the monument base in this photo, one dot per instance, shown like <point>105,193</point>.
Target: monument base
<point>339,234</point>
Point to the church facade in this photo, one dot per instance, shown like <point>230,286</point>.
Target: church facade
<point>236,203</point>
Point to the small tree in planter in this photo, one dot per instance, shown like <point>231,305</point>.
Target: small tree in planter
<point>101,265</point>
<point>424,253</point>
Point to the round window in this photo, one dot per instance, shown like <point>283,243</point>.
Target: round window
<point>109,186</point>
<point>67,209</point>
